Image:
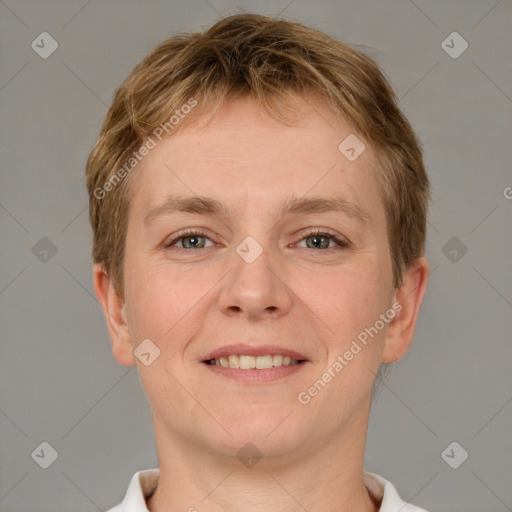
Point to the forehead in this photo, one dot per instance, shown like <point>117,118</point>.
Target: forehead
<point>249,162</point>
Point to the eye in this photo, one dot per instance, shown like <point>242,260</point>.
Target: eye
<point>191,239</point>
<point>321,239</point>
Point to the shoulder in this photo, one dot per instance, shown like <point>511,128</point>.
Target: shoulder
<point>141,486</point>
<point>385,492</point>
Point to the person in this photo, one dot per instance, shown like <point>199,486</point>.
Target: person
<point>258,204</point>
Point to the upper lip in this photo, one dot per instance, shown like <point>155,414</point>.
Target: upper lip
<point>254,350</point>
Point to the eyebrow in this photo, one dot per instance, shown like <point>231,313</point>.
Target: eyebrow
<point>292,206</point>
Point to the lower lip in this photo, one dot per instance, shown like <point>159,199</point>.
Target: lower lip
<point>254,376</point>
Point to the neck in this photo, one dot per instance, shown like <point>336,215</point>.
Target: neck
<point>328,478</point>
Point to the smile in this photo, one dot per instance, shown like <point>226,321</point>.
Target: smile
<point>246,362</point>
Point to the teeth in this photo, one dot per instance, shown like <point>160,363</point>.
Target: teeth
<point>277,360</point>
<point>247,362</point>
<point>250,362</point>
<point>234,361</point>
<point>263,362</point>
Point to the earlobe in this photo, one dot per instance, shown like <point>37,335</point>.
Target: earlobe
<point>115,315</point>
<point>408,301</point>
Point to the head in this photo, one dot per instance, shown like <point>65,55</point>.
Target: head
<point>252,113</point>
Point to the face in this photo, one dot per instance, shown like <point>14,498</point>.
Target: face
<point>295,262</point>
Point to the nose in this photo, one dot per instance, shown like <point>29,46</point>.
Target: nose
<point>256,286</point>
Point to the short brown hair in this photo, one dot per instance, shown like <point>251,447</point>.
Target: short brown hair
<point>267,59</point>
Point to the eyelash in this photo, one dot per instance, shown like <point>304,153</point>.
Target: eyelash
<point>342,244</point>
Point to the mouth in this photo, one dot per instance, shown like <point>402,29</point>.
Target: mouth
<point>254,365</point>
<point>248,362</point>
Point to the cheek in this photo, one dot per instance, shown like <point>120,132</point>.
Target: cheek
<point>351,305</point>
<point>164,301</point>
<point>351,296</point>
<point>147,304</point>
<point>352,309</point>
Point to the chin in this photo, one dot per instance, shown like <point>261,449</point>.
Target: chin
<point>271,434</point>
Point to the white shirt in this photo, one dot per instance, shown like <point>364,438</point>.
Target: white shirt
<point>144,483</point>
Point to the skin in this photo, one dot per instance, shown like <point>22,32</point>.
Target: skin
<point>313,300</point>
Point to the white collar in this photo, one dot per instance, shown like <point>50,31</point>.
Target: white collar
<point>145,482</point>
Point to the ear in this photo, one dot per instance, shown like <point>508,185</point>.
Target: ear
<point>113,308</point>
<point>407,304</point>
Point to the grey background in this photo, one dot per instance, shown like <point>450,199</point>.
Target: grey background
<point>58,380</point>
